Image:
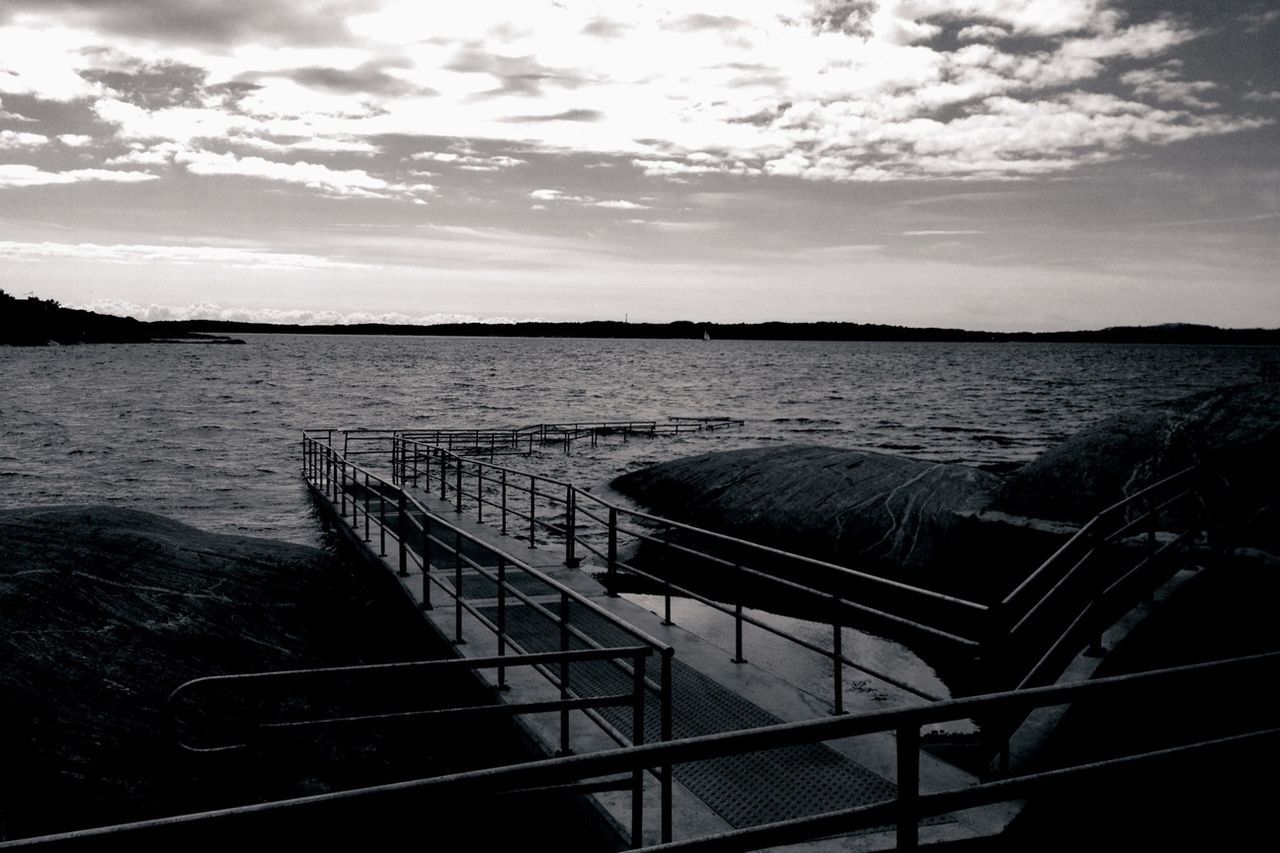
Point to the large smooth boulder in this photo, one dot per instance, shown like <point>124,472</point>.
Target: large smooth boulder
<point>1233,434</point>
<point>851,507</point>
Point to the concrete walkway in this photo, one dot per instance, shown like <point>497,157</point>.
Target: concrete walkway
<point>711,693</point>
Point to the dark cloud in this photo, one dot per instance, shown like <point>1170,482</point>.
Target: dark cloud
<point>207,21</point>
<point>765,117</point>
<point>842,16</point>
<point>516,75</point>
<point>699,21</point>
<point>371,77</point>
<point>567,115</point>
<point>604,28</point>
<point>153,86</point>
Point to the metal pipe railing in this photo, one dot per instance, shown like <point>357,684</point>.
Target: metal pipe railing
<point>905,810</point>
<point>365,483</point>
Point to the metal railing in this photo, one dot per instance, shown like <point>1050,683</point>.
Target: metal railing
<point>546,511</point>
<point>1074,595</point>
<point>260,726</point>
<point>438,550</point>
<point>903,812</point>
<point>1027,637</point>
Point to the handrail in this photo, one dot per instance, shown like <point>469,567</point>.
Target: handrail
<point>904,810</point>
<point>319,674</point>
<point>408,451</point>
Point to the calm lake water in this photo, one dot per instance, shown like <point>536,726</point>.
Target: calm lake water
<point>209,434</point>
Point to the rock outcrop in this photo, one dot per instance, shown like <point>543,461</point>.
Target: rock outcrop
<point>1233,434</point>
<point>105,611</point>
<point>847,506</point>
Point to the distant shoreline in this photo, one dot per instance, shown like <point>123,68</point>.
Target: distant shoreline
<point>36,322</point>
<point>775,331</point>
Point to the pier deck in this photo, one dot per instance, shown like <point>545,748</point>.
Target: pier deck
<point>711,692</point>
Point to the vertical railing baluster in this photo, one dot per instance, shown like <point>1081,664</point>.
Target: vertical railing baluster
<point>737,618</point>
<point>366,506</point>
<point>504,501</point>
<point>564,672</point>
<point>458,486</point>
<point>382,522</point>
<point>426,562</point>
<point>664,773</point>
<point>637,737</point>
<point>533,500</point>
<point>837,658</point>
<point>402,531</point>
<point>570,528</point>
<point>444,474</point>
<point>502,620</point>
<point>613,552</point>
<point>457,588</point>
<point>908,786</point>
<point>666,576</point>
<point>479,493</point>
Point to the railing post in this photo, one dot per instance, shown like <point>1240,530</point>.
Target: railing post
<point>382,523</point>
<point>403,530</point>
<point>342,489</point>
<point>415,469</point>
<point>666,578</point>
<point>564,673</point>
<point>458,487</point>
<point>502,620</point>
<point>479,493</point>
<point>457,589</point>
<point>837,659</point>
<point>533,498</point>
<point>426,562</point>
<point>366,506</point>
<point>908,786</point>
<point>637,738</point>
<point>613,553</point>
<point>444,473</point>
<point>737,618</point>
<point>571,528</point>
<point>664,773</point>
<point>504,501</point>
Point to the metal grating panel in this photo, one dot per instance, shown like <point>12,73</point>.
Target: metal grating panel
<point>747,789</point>
<point>474,586</point>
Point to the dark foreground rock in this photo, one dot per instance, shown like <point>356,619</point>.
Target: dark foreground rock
<point>105,611</point>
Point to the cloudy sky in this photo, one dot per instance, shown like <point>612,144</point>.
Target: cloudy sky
<point>991,164</point>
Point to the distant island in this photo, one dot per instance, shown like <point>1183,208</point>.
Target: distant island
<point>37,322</point>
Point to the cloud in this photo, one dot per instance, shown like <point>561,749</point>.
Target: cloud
<point>209,21</point>
<point>75,140</point>
<point>589,201</point>
<point>1257,22</point>
<point>367,78</point>
<point>19,175</point>
<point>209,311</point>
<point>355,183</point>
<point>698,21</point>
<point>470,161</point>
<point>941,232</point>
<point>152,86</point>
<point>1166,84</point>
<point>566,115</point>
<point>18,139</point>
<point>128,253</point>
